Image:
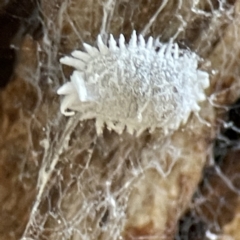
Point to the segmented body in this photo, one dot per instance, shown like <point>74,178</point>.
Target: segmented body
<point>140,85</point>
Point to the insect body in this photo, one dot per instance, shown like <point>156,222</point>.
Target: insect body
<point>138,85</point>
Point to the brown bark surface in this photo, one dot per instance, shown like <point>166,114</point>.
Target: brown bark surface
<point>59,180</point>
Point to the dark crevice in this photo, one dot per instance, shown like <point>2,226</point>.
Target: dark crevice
<point>17,18</point>
<point>191,227</point>
<point>215,201</point>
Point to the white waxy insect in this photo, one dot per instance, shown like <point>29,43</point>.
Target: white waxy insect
<point>140,85</point>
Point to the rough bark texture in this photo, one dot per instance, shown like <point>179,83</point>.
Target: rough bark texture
<point>59,180</point>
